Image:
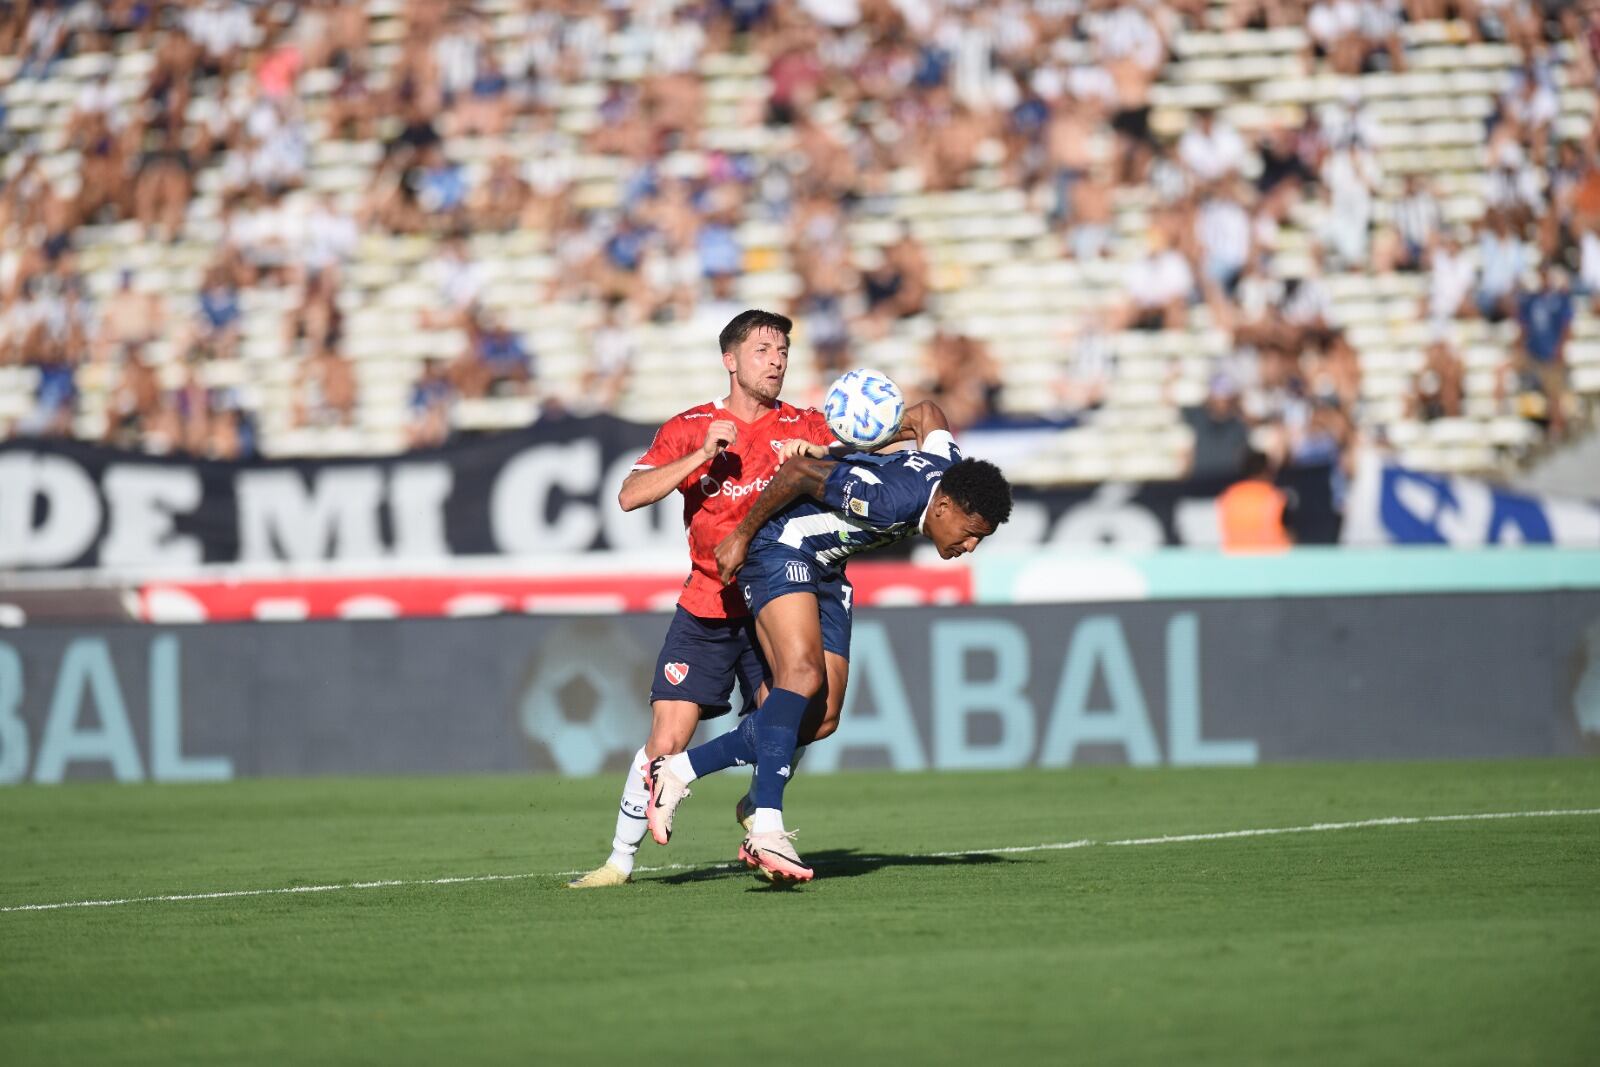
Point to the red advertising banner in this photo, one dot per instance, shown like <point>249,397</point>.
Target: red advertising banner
<point>432,596</point>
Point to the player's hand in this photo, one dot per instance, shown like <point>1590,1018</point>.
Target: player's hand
<point>913,423</point>
<point>800,447</point>
<point>730,553</point>
<point>719,435</point>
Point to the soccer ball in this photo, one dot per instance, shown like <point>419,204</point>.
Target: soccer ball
<point>864,408</point>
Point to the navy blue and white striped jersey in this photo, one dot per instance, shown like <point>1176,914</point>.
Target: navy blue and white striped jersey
<point>867,502</point>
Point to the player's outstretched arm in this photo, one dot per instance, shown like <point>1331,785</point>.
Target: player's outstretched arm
<point>798,477</point>
<point>837,450</point>
<point>921,419</point>
<point>799,446</point>
<point>643,488</point>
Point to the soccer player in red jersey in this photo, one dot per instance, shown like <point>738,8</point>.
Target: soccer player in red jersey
<point>719,456</point>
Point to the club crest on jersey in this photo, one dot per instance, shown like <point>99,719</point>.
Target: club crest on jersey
<point>796,571</point>
<point>676,672</point>
<point>858,506</point>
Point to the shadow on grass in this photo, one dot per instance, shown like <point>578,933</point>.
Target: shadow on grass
<point>834,863</point>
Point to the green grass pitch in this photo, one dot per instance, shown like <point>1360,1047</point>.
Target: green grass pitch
<point>1442,942</point>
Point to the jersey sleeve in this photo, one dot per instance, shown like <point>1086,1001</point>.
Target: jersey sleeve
<point>940,443</point>
<point>871,493</point>
<point>670,443</point>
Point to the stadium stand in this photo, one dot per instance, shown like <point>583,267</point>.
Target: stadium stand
<point>329,229</point>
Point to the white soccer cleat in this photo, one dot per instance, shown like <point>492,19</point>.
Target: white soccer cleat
<point>667,791</point>
<point>602,877</point>
<point>773,857</point>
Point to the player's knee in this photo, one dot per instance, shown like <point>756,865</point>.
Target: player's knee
<point>829,723</point>
<point>804,677</point>
<point>671,727</point>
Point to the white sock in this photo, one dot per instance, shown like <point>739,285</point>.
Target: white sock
<point>768,821</point>
<point>631,826</point>
<point>681,766</point>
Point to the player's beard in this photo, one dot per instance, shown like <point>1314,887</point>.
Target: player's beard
<point>761,387</point>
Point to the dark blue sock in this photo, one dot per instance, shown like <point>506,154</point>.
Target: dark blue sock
<point>777,731</point>
<point>736,748</point>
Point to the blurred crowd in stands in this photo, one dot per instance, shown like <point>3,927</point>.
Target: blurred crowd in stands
<point>870,90</point>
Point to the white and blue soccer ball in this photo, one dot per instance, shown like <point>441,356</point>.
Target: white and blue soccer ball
<point>864,408</point>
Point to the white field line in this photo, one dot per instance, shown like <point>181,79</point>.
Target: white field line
<point>1058,846</point>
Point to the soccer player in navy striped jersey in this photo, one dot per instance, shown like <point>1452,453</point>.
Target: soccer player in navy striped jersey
<point>788,555</point>
<point>717,455</point>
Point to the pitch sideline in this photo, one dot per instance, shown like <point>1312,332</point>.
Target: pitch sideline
<point>1170,839</point>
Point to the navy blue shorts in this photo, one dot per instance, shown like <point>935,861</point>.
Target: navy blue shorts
<point>703,659</point>
<point>773,573</point>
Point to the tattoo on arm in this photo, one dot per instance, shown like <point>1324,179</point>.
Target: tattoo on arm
<point>800,476</point>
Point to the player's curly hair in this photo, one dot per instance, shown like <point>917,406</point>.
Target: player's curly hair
<point>747,322</point>
<point>978,488</point>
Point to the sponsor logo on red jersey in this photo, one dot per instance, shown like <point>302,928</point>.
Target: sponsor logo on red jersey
<point>730,488</point>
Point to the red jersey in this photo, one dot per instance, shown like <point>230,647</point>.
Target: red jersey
<point>717,494</point>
